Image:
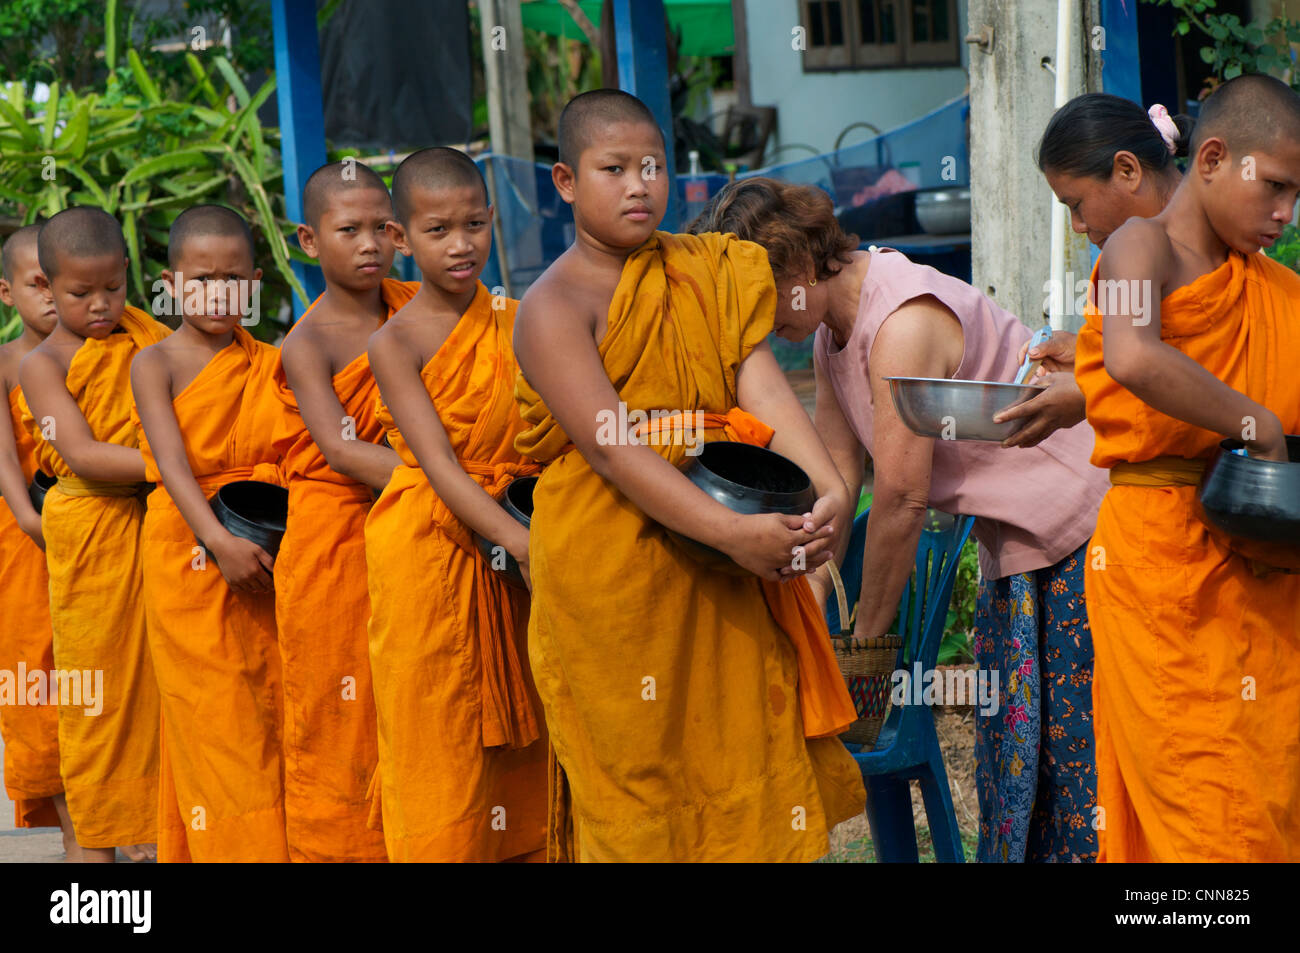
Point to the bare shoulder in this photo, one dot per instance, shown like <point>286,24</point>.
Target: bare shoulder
<point>1145,238</point>
<point>563,294</point>
<point>152,360</point>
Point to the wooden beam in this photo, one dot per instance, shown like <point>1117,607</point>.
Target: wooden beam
<point>505,70</point>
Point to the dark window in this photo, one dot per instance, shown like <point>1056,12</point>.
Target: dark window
<point>869,34</point>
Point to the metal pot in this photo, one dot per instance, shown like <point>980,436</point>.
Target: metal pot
<point>957,410</point>
<point>41,484</point>
<point>944,211</point>
<point>1253,499</point>
<point>253,510</point>
<point>746,479</point>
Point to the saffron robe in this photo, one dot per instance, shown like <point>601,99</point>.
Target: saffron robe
<point>322,605</point>
<point>109,761</point>
<point>671,691</point>
<point>1197,675</point>
<point>462,749</point>
<point>30,725</point>
<point>222,795</point>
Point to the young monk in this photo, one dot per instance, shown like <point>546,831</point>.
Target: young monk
<point>75,384</point>
<point>206,403</point>
<point>462,750</point>
<point>30,726</point>
<point>692,712</point>
<point>334,459</point>
<point>1197,636</point>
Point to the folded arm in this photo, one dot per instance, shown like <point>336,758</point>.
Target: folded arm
<point>306,367</point>
<point>397,365</point>
<point>58,416</point>
<point>245,565</point>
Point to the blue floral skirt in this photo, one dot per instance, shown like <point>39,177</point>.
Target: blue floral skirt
<point>1035,762</point>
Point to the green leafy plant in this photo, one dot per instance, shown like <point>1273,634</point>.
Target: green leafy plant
<point>144,158</point>
<point>1235,47</point>
<point>956,644</point>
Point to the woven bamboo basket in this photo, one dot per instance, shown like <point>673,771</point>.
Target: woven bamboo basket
<point>867,665</point>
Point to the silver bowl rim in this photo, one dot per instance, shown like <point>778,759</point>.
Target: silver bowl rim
<point>951,380</point>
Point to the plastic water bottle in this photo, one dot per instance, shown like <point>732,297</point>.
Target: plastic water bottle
<point>697,189</point>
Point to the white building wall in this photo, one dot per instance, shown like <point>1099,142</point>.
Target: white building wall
<point>813,108</point>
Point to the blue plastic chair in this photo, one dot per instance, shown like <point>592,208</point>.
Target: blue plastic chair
<point>908,746</point>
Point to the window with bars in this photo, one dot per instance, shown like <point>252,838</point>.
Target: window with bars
<point>874,34</point>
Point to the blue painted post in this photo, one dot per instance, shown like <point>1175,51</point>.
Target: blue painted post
<point>642,45</point>
<point>302,116</point>
<point>1120,65</point>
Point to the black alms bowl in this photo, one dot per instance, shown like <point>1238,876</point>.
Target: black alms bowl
<point>517,500</point>
<point>253,510</point>
<point>41,484</point>
<point>1253,499</point>
<point>746,479</point>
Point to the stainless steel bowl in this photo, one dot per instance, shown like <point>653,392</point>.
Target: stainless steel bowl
<point>944,212</point>
<point>957,410</point>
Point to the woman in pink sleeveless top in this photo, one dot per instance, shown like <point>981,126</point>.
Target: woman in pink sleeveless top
<point>877,315</point>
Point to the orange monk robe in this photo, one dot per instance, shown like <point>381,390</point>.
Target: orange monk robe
<point>109,760</point>
<point>322,606</point>
<point>222,796</point>
<point>462,748</point>
<point>672,693</point>
<point>29,723</point>
<point>1197,674</point>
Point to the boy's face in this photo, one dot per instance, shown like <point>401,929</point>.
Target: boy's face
<point>89,293</point>
<point>620,192</point>
<point>1250,199</point>
<point>449,234</point>
<point>214,281</point>
<point>31,300</point>
<point>351,241</point>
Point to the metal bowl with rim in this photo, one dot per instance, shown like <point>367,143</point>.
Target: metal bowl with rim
<point>958,410</point>
<point>746,479</point>
<point>517,500</point>
<point>253,510</point>
<point>944,211</point>
<point>1253,499</point>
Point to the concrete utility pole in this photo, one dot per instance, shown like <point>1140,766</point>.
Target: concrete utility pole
<point>505,70</point>
<point>1012,94</point>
